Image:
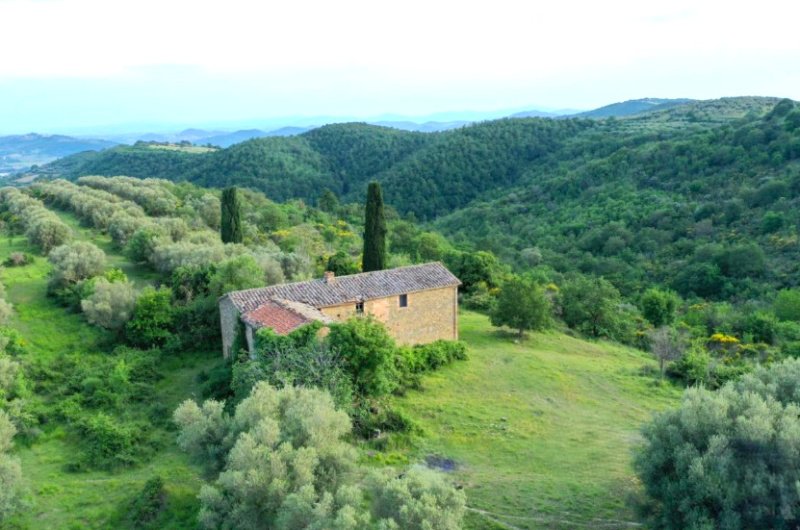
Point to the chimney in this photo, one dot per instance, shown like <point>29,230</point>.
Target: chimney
<point>329,277</point>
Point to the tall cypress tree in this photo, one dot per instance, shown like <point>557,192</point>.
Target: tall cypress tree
<point>374,230</point>
<point>231,226</point>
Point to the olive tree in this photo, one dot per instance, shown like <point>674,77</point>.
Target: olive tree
<point>10,471</point>
<point>6,309</point>
<point>728,458</point>
<point>419,499</point>
<point>111,305</point>
<point>284,463</point>
<point>76,261</point>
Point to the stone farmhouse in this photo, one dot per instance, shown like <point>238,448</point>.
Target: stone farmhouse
<point>418,304</point>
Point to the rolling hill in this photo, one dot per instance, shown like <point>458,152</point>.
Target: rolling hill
<point>90,393</point>
<point>644,198</point>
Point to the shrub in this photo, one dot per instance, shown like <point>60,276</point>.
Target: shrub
<point>142,244</point>
<point>342,264</point>
<point>727,459</point>
<point>295,439</point>
<point>196,323</point>
<point>110,305</point>
<point>368,352</point>
<point>313,365</point>
<point>234,274</point>
<point>439,353</point>
<point>787,305</point>
<point>148,504</point>
<point>42,227</point>
<point>153,314</point>
<point>75,262</point>
<point>6,310</point>
<point>108,443</point>
<point>480,298</point>
<point>189,283</point>
<point>11,492</point>
<point>758,326</point>
<point>418,500</point>
<point>18,259</point>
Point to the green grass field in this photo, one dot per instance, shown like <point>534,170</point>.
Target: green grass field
<point>541,431</point>
<point>95,499</point>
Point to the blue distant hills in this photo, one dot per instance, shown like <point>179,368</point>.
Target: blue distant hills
<point>21,152</point>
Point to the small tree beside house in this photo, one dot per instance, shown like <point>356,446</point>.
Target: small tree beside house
<point>522,305</point>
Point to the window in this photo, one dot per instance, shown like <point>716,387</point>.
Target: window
<point>360,307</point>
<point>403,300</point>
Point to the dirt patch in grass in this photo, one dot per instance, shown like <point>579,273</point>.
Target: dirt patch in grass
<point>441,463</point>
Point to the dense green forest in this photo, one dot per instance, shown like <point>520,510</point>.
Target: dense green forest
<point>651,198</point>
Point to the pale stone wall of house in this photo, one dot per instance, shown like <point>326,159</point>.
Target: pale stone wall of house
<point>429,316</point>
<point>229,323</point>
<point>250,336</point>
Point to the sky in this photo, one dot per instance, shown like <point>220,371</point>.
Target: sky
<point>88,66</point>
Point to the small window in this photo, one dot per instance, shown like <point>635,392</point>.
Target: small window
<point>403,300</point>
<point>360,307</point>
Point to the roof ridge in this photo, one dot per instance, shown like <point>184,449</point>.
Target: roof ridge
<point>318,293</point>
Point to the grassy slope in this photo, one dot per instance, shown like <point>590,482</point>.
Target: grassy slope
<point>542,431</point>
<point>60,499</point>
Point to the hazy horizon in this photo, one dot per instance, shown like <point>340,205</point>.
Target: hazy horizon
<point>86,65</point>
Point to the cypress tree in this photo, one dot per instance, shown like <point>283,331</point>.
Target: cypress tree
<point>374,230</point>
<point>231,226</point>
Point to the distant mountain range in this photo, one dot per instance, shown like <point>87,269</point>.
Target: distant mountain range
<point>20,152</point>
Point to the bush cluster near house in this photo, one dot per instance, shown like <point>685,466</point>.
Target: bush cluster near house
<point>281,460</point>
<point>357,362</point>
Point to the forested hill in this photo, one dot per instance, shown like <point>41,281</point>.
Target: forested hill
<point>713,213</point>
<point>703,197</point>
<point>429,174</point>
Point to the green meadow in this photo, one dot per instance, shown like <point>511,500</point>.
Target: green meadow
<point>539,432</point>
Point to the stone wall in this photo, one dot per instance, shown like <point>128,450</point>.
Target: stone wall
<point>229,323</point>
<point>429,316</point>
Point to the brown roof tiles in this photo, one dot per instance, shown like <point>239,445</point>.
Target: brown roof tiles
<point>352,288</point>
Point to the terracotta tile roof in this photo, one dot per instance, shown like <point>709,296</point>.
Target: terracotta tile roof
<point>282,316</point>
<point>352,288</point>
